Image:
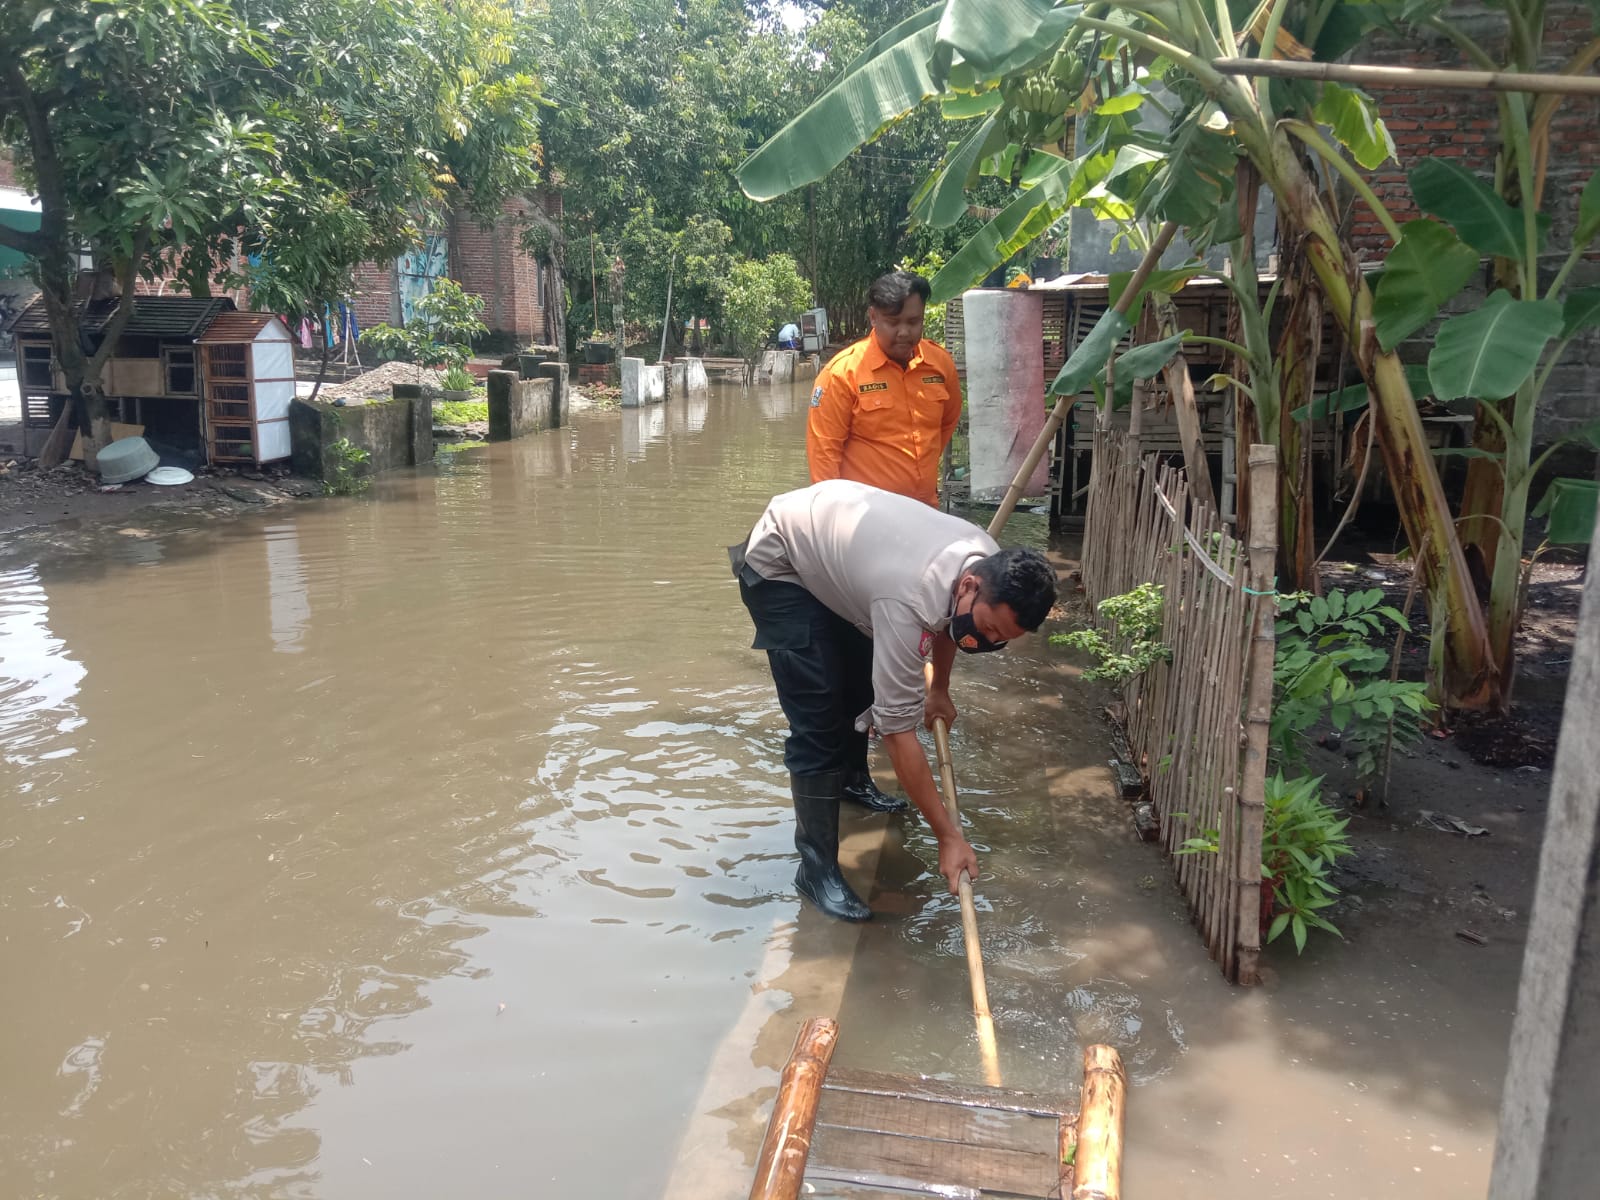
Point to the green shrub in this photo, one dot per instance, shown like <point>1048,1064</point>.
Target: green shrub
<point>1325,668</point>
<point>1133,643</point>
<point>1302,837</point>
<point>349,479</point>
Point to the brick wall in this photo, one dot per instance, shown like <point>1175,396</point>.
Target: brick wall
<point>8,171</point>
<point>376,300</point>
<point>488,260</point>
<point>1464,126</point>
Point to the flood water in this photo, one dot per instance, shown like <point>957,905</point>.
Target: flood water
<point>436,843</point>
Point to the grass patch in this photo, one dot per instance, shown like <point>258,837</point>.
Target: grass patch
<point>460,412</point>
<point>457,447</point>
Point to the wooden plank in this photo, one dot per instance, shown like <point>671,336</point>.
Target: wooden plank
<point>841,1184</point>
<point>1003,1171</point>
<point>944,1092</point>
<point>998,1128</point>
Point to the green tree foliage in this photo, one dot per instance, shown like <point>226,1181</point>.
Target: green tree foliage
<point>758,297</point>
<point>180,136</point>
<point>653,103</point>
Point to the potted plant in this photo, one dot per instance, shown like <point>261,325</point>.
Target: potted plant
<point>598,349</point>
<point>458,383</point>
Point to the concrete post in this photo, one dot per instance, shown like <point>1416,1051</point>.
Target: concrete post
<point>421,420</point>
<point>502,395</point>
<point>556,373</point>
<point>1005,387</point>
<point>632,369</point>
<point>1547,1145</point>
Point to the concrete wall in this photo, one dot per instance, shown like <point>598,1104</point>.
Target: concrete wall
<point>642,384</point>
<point>556,373</point>
<point>518,407</point>
<point>689,377</point>
<point>1005,387</point>
<point>776,366</point>
<point>394,433</point>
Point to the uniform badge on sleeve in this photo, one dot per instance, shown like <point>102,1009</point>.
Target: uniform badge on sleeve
<point>925,645</point>
<point>816,396</point>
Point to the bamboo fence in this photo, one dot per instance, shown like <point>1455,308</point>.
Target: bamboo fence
<point>1196,724</point>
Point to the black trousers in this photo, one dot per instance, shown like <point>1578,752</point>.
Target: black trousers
<point>822,667</point>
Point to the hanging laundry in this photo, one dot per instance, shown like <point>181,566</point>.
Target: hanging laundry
<point>305,333</point>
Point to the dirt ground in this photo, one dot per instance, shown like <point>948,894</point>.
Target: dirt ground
<point>34,500</point>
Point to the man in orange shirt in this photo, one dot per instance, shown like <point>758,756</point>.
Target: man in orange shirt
<point>882,413</point>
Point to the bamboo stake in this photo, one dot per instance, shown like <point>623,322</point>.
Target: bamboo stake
<point>987,1047</point>
<point>1097,1165</point>
<point>1263,465</point>
<point>1058,414</point>
<point>781,1169</point>
<point>1412,77</point>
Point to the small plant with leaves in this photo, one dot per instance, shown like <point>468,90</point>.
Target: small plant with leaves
<point>445,320</point>
<point>1327,668</point>
<point>348,461</point>
<point>1131,645</point>
<point>1302,837</point>
<point>458,379</point>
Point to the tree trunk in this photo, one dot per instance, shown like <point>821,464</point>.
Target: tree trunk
<point>1482,499</point>
<point>1471,677</point>
<point>1298,351</point>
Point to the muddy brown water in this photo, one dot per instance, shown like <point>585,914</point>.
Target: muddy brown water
<point>436,844</point>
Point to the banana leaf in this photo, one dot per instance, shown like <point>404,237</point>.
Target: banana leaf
<point>1429,266</point>
<point>1490,352</point>
<point>942,199</point>
<point>888,80</point>
<point>1017,224</point>
<point>997,37</point>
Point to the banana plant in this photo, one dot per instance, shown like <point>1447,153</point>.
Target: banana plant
<point>1118,107</point>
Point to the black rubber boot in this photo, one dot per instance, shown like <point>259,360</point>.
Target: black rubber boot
<point>816,836</point>
<point>859,789</point>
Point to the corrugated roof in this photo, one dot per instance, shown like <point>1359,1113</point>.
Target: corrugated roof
<point>153,316</point>
<point>236,327</point>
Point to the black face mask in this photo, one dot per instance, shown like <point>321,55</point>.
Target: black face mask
<point>964,633</point>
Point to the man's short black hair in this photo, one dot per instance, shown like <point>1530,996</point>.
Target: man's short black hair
<point>1022,579</point>
<point>889,293</point>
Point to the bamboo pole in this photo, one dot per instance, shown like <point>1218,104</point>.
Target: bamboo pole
<point>1058,414</point>
<point>1097,1165</point>
<point>781,1170</point>
<point>987,1047</point>
<point>1412,77</point>
<point>1263,543</point>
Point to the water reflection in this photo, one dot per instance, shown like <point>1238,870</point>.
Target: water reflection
<point>39,678</point>
<point>390,824</point>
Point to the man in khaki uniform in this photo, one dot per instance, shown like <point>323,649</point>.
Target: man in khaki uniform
<point>839,574</point>
<point>882,413</point>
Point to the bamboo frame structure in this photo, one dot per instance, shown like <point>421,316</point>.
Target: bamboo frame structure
<point>851,1132</point>
<point>1198,722</point>
<point>1412,77</point>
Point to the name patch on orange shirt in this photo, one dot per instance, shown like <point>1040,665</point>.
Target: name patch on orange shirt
<point>933,379</point>
<point>875,387</point>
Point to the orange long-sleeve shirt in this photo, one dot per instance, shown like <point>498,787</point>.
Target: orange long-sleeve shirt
<point>882,424</point>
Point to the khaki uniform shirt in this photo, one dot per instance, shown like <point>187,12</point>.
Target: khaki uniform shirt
<point>885,563</point>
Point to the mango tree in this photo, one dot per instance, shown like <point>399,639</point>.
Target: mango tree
<point>1120,107</point>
